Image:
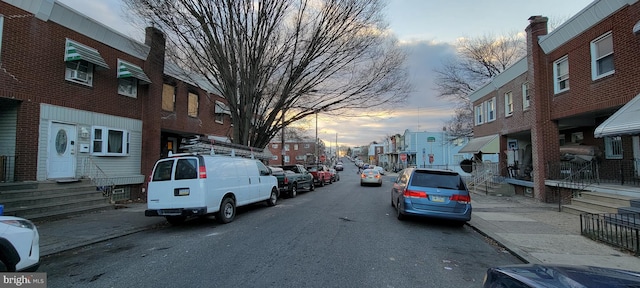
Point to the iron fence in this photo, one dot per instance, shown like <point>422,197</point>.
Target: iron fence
<point>623,172</point>
<point>620,230</point>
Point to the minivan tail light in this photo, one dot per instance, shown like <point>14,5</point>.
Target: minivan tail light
<point>415,194</point>
<point>463,199</point>
<point>202,171</point>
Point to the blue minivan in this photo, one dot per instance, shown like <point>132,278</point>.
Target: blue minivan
<point>431,193</point>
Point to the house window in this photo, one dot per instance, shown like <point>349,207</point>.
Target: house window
<point>561,75</point>
<point>295,146</point>
<point>526,99</point>
<point>274,146</point>
<point>128,87</point>
<point>491,109</point>
<point>109,142</point>
<point>577,137</point>
<point>508,103</point>
<point>286,147</point>
<point>79,71</point>
<point>479,115</point>
<point>613,147</point>
<point>562,139</point>
<point>602,56</point>
<point>168,97</point>
<point>193,105</point>
<point>220,118</point>
<point>274,157</point>
<point>286,158</point>
<point>307,146</point>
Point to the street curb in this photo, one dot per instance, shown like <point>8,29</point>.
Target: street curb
<point>483,227</point>
<point>54,251</point>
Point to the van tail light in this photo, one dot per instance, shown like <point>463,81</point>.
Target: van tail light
<point>462,199</point>
<point>202,172</point>
<point>414,194</point>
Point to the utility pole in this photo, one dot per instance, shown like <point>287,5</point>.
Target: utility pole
<point>282,140</point>
<point>315,156</point>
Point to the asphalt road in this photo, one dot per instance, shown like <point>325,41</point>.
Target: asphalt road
<point>340,235</point>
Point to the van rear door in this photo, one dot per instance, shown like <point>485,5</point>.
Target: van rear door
<point>175,183</point>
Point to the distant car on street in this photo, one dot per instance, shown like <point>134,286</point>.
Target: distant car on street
<point>339,166</point>
<point>370,176</point>
<point>334,175</point>
<point>379,169</point>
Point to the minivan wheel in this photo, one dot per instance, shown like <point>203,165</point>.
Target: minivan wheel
<point>294,191</point>
<point>175,220</point>
<point>273,199</point>
<point>399,215</point>
<point>227,211</point>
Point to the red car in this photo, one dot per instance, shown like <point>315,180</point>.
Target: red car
<point>321,174</point>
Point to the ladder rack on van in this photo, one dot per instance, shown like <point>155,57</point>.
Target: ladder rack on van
<point>199,145</point>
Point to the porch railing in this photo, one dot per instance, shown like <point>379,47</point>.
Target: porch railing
<point>99,178</point>
<point>485,175</point>
<point>623,172</point>
<point>619,230</point>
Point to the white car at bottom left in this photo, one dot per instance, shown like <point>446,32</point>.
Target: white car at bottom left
<point>19,245</point>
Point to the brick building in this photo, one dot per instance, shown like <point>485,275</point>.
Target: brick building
<point>77,98</point>
<point>571,100</point>
<point>300,151</point>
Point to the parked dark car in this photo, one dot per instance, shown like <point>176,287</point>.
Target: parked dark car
<point>561,276</point>
<point>431,193</point>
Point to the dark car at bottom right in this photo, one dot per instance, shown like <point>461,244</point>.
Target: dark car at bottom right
<point>432,193</point>
<point>560,276</point>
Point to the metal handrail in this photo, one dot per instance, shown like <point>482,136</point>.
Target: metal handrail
<point>99,178</point>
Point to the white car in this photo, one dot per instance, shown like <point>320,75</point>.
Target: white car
<point>19,245</point>
<point>379,169</point>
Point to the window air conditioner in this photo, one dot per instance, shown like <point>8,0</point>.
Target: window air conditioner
<point>79,76</point>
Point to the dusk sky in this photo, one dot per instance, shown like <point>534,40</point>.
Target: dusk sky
<point>428,29</point>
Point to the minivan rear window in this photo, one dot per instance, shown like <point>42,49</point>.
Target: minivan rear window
<point>437,179</point>
<point>163,171</point>
<point>187,169</point>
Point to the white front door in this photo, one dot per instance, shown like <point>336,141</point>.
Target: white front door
<point>62,155</point>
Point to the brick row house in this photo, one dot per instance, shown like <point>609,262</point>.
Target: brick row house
<point>569,109</point>
<point>296,151</point>
<point>80,100</point>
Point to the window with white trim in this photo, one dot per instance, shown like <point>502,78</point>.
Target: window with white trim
<point>286,158</point>
<point>193,105</point>
<point>109,141</point>
<point>613,147</point>
<point>508,103</point>
<point>479,114</point>
<point>274,146</point>
<point>128,86</point>
<point>491,109</point>
<point>526,99</point>
<point>286,147</point>
<point>79,71</point>
<point>561,75</point>
<point>295,146</point>
<point>602,56</point>
<point>307,146</point>
<point>274,157</point>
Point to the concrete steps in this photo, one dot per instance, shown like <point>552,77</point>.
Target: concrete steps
<point>597,203</point>
<point>39,201</point>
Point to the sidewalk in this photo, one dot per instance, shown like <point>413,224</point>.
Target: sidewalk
<point>535,232</point>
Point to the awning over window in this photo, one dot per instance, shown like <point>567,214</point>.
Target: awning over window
<point>221,108</point>
<point>75,51</point>
<point>624,122</point>
<point>485,144</point>
<point>126,69</point>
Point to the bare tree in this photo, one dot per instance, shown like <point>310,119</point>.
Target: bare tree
<point>478,60</point>
<point>279,61</point>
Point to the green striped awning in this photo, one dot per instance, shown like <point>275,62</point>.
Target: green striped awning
<point>126,69</point>
<point>75,51</point>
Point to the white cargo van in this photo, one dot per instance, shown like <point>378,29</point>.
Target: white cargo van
<point>186,185</point>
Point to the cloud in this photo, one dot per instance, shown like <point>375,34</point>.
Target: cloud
<point>424,110</point>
